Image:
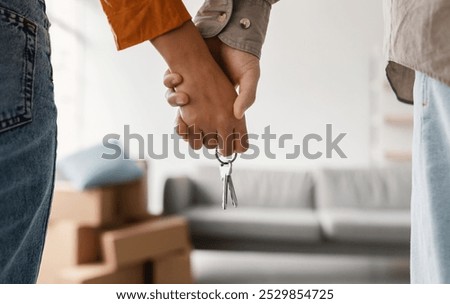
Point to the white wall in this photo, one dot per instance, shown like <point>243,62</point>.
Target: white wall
<point>315,71</point>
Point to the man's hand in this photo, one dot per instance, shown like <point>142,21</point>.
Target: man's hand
<point>209,116</point>
<point>242,69</point>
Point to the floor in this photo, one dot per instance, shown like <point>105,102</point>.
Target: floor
<point>220,267</point>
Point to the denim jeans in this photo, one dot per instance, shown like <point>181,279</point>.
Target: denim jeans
<point>430,204</point>
<point>27,138</point>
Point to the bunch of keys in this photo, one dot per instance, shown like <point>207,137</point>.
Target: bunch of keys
<point>226,168</point>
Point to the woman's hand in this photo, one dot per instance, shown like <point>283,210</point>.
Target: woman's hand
<point>242,69</point>
<point>208,117</point>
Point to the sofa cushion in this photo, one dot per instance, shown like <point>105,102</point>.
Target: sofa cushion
<point>268,188</point>
<point>254,223</point>
<point>369,188</point>
<point>377,226</point>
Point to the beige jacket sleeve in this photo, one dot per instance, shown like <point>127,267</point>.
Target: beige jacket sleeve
<point>241,24</point>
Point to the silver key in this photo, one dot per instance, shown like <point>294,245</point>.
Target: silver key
<point>227,185</point>
<point>234,200</point>
<point>225,171</point>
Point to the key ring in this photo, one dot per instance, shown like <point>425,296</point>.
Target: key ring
<point>225,162</point>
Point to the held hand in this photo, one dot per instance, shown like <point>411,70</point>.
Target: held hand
<point>209,116</point>
<point>242,69</point>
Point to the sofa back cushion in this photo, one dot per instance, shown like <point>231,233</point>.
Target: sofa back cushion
<point>371,188</point>
<point>257,187</point>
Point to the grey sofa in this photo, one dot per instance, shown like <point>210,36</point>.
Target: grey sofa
<point>353,211</point>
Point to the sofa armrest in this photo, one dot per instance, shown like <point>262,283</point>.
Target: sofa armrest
<point>178,194</point>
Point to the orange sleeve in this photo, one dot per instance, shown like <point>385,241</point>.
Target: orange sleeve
<point>135,21</point>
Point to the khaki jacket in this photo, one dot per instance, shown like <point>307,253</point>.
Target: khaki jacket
<point>417,39</point>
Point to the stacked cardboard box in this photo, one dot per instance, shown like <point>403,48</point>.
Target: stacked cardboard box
<point>106,236</point>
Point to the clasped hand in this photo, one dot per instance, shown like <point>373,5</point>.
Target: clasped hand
<point>211,113</point>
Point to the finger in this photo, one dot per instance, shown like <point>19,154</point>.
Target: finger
<point>195,137</point>
<point>225,138</point>
<point>181,127</point>
<point>171,80</point>
<point>176,99</point>
<point>241,137</point>
<point>210,140</point>
<point>247,92</point>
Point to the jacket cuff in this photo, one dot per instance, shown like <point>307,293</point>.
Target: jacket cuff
<point>241,24</point>
<point>143,19</point>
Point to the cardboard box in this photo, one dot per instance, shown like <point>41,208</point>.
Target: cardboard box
<point>144,241</point>
<point>108,206</point>
<point>94,207</point>
<point>67,244</point>
<point>132,198</point>
<point>173,268</point>
<point>102,274</point>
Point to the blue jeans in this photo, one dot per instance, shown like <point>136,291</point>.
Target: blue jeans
<point>430,204</point>
<point>27,138</point>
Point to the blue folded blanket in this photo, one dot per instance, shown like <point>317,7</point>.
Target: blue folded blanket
<point>88,169</point>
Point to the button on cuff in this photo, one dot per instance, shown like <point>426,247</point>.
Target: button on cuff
<point>222,17</point>
<point>245,23</point>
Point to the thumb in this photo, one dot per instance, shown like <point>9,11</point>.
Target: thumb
<point>247,93</point>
